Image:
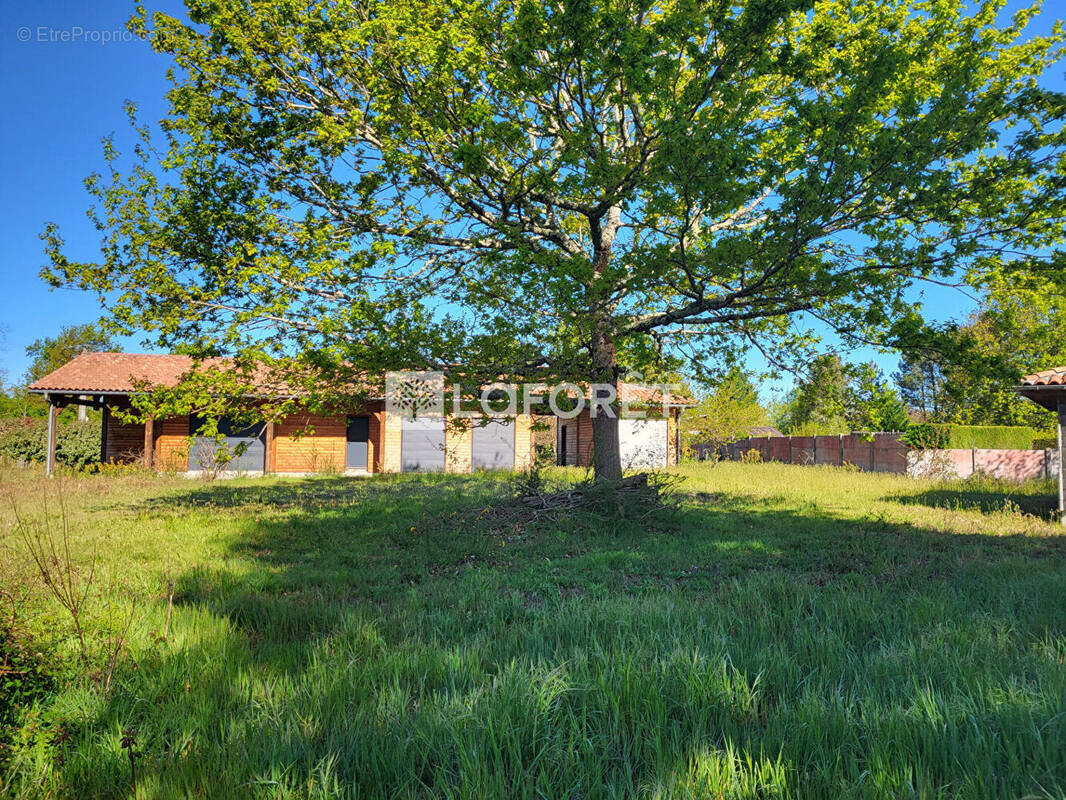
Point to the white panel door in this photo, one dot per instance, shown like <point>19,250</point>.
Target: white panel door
<point>642,443</point>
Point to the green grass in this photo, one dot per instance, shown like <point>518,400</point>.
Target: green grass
<point>785,632</point>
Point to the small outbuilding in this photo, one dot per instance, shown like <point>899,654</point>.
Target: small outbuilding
<point>1048,389</point>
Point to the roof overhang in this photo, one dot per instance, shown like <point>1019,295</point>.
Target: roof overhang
<point>1048,396</point>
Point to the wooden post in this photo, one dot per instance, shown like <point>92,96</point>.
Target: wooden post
<point>149,442</point>
<point>677,438</point>
<point>268,464</point>
<point>1062,462</point>
<point>50,458</point>
<point>105,416</point>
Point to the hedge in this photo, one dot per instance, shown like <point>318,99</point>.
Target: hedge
<point>965,437</point>
<point>77,443</point>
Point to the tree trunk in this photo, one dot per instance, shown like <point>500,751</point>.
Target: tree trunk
<point>606,453</point>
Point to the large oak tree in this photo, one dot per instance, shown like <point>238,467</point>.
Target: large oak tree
<point>574,188</point>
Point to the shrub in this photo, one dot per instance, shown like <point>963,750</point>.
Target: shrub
<point>77,443</point>
<point>752,456</point>
<point>931,436</point>
<point>994,437</point>
<point>927,436</point>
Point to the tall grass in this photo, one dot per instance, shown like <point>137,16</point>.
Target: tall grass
<point>786,632</point>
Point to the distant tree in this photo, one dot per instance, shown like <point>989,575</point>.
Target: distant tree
<point>921,383</point>
<point>819,403</point>
<point>50,353</point>
<point>874,404</point>
<point>836,397</point>
<point>724,414</point>
<point>1017,330</point>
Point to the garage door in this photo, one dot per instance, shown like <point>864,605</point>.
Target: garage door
<point>642,443</point>
<point>422,444</point>
<point>246,446</point>
<point>493,446</point>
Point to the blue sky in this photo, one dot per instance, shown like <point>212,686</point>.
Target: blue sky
<point>66,69</point>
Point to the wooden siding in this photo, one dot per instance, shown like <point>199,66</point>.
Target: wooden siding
<point>124,440</point>
<point>458,445</point>
<point>584,439</point>
<point>375,457</point>
<point>322,450</point>
<point>172,444</point>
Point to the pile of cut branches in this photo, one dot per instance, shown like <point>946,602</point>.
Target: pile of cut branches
<point>633,497</point>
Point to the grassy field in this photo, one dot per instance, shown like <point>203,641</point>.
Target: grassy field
<point>783,632</point>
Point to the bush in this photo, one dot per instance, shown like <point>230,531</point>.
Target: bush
<point>992,437</point>
<point>930,436</point>
<point>927,436</point>
<point>77,443</point>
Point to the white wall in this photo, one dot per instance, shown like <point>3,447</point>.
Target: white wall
<point>642,443</point>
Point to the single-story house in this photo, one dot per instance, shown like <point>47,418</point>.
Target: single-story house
<point>366,439</point>
<point>1048,389</point>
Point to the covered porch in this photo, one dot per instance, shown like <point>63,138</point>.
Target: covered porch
<point>153,443</point>
<point>1048,389</point>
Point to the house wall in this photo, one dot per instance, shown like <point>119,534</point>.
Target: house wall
<point>292,450</point>
<point>524,442</point>
<point>320,450</point>
<point>125,441</point>
<point>458,445</point>
<point>672,422</point>
<point>375,458</point>
<point>391,442</point>
<point>584,436</point>
<point>584,439</point>
<point>172,444</point>
<point>324,449</point>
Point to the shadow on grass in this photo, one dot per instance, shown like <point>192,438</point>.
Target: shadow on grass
<point>393,639</point>
<point>1036,498</point>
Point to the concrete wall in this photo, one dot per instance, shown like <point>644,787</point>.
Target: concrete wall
<point>1011,465</point>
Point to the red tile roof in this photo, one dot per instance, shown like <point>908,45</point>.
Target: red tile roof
<point>637,393</point>
<point>91,373</point>
<point>1049,377</point>
<point>114,372</point>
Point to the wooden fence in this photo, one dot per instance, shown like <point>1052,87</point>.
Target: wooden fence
<point>879,452</point>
